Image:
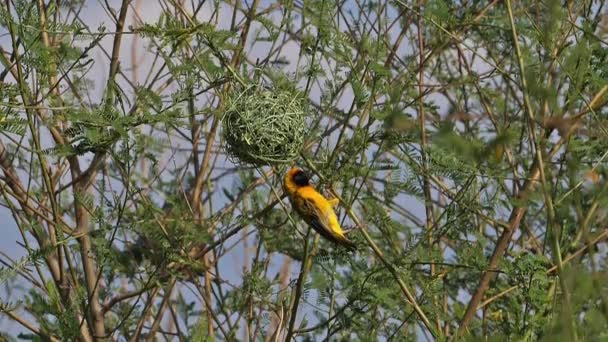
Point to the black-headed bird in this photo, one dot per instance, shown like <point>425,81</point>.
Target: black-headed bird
<point>314,208</point>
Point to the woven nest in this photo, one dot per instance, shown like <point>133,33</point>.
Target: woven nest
<point>264,127</point>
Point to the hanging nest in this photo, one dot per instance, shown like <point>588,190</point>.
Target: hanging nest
<point>264,127</point>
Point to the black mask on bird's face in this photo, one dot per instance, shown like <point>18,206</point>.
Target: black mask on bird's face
<point>301,179</point>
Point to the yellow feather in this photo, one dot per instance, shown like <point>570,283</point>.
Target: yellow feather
<point>314,208</point>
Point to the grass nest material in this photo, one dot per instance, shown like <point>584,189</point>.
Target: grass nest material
<point>264,127</point>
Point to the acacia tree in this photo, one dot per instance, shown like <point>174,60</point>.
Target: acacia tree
<point>465,140</point>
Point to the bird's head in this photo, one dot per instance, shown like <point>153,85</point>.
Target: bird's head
<point>296,178</point>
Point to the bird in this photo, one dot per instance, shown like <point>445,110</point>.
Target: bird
<point>314,208</point>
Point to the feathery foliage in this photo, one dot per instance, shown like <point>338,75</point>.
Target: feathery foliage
<point>143,146</point>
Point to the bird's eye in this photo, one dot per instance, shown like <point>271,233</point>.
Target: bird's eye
<point>300,178</point>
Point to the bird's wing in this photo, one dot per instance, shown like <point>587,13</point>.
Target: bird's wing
<point>317,219</point>
<point>319,214</point>
<point>334,202</point>
<point>320,221</point>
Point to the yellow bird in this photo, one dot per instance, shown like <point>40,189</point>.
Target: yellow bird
<point>315,209</point>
